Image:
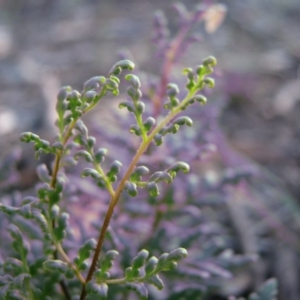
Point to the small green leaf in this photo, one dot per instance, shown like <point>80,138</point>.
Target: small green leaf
<point>156,281</point>
<point>41,220</point>
<point>101,276</point>
<point>200,70</point>
<point>183,120</point>
<point>54,212</point>
<point>55,265</point>
<point>99,289</point>
<point>173,128</point>
<point>30,200</point>
<point>54,197</point>
<point>19,244</point>
<point>8,209</point>
<point>68,119</point>
<point>91,141</point>
<point>152,189</point>
<point>90,96</point>
<point>18,281</point>
<point>131,188</point>
<point>121,65</point>
<point>57,146</point>
<point>210,61</point>
<point>80,126</point>
<point>128,273</point>
<point>63,221</point>
<point>94,83</point>
<point>91,172</point>
<point>62,225</point>
<point>74,98</point>
<point>25,211</point>
<point>115,168</point>
<point>166,177</point>
<point>161,261</point>
<point>191,78</point>
<point>28,137</point>
<point>201,99</point>
<point>115,79</point>
<point>210,82</point>
<point>15,232</point>
<point>101,183</point>
<point>80,139</point>
<point>108,260</point>
<point>139,288</point>
<point>84,253</point>
<point>149,123</point>
<point>172,90</point>
<point>174,102</point>
<point>100,155</point>
<point>134,94</point>
<point>140,107</point>
<point>138,172</point>
<point>43,191</point>
<point>140,259</point>
<point>63,93</point>
<point>60,184</point>
<point>128,105</point>
<point>155,176</point>
<point>178,166</point>
<point>83,266</point>
<point>135,129</point>
<point>43,173</point>
<point>177,254</point>
<point>112,86</point>
<point>151,265</point>
<point>158,139</point>
<point>13,264</point>
<point>134,80</point>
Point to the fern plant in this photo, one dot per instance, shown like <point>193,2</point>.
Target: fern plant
<point>48,259</point>
<point>45,209</point>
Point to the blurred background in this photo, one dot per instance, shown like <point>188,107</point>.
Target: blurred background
<point>45,44</point>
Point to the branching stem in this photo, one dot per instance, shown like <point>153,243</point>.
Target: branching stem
<point>108,184</point>
<point>52,226</point>
<point>55,171</point>
<point>114,200</point>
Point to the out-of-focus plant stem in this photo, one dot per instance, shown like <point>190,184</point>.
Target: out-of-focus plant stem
<point>167,69</point>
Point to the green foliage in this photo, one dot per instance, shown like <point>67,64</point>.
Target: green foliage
<point>136,276</point>
<point>55,265</point>
<point>97,289</point>
<point>46,210</point>
<point>39,268</point>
